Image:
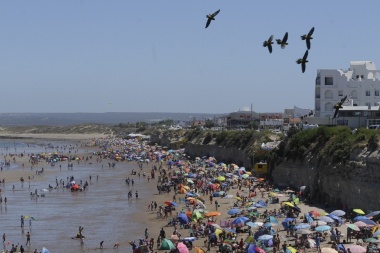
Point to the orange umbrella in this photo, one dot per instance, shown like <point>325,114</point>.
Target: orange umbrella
<point>189,214</point>
<point>211,214</point>
<point>315,213</point>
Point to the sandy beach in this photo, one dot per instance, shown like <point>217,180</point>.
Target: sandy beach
<point>104,209</point>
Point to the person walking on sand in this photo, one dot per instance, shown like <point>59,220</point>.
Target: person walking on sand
<point>27,239</point>
<point>22,220</point>
<point>3,238</point>
<point>137,195</point>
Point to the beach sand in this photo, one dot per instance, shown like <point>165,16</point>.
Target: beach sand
<point>138,215</point>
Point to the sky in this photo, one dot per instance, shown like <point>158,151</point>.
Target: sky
<point>157,56</point>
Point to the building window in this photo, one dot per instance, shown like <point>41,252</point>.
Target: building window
<point>340,93</point>
<point>376,93</point>
<point>329,81</point>
<point>368,93</point>
<point>328,107</point>
<point>354,94</point>
<point>368,104</point>
<point>328,94</point>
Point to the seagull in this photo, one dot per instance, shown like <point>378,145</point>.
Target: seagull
<point>283,41</point>
<point>303,61</point>
<point>268,43</point>
<point>211,17</point>
<point>338,106</point>
<point>308,37</point>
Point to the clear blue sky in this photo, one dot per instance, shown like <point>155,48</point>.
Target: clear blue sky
<point>157,56</point>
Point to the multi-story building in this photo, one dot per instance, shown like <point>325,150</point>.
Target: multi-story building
<point>359,83</point>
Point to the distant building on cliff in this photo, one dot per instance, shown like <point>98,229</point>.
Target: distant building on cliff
<point>362,87</point>
<point>359,83</point>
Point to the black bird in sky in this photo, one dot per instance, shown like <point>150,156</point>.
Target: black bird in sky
<point>211,17</point>
<point>283,41</point>
<point>268,43</point>
<point>308,37</point>
<point>338,106</point>
<point>303,61</point>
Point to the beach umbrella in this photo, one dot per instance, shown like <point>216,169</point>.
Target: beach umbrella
<point>231,230</point>
<point>328,250</point>
<point>273,220</point>
<point>314,213</point>
<point>44,250</point>
<point>376,234</point>
<point>182,248</point>
<point>301,226</point>
<point>355,248</point>
<point>359,211</point>
<point>233,211</point>
<point>174,238</point>
<point>171,203</point>
<point>326,219</point>
<point>265,237</point>
<point>251,208</point>
<point>359,217</point>
<point>190,181</point>
<point>166,245</point>
<point>259,223</point>
<point>353,227</point>
<point>239,221</point>
<point>251,224</point>
<point>250,240</point>
<point>290,249</point>
<point>335,218</point>
<point>338,212</point>
<point>371,240</point>
<point>196,215</point>
<point>199,250</point>
<point>288,204</point>
<point>216,225</point>
<point>303,232</point>
<point>189,239</point>
<point>221,178</point>
<point>360,224</point>
<point>212,214</point>
<point>369,222</point>
<point>183,218</point>
<point>373,213</point>
<point>322,228</point>
<point>245,176</point>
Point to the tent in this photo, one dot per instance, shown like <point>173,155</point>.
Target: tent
<point>167,245</point>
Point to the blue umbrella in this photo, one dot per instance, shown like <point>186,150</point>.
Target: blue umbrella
<point>335,218</point>
<point>373,213</point>
<point>44,250</point>
<point>338,212</point>
<point>231,230</point>
<point>273,220</point>
<point>173,203</point>
<point>251,224</point>
<point>308,218</point>
<point>239,220</point>
<point>326,219</point>
<point>233,211</point>
<point>265,237</point>
<point>268,224</point>
<point>289,219</point>
<point>359,217</point>
<point>301,226</point>
<point>322,228</point>
<point>369,222</point>
<point>376,234</point>
<point>183,218</point>
<point>190,239</point>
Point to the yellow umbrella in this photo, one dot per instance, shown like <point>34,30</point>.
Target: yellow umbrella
<point>291,249</point>
<point>218,231</point>
<point>221,178</point>
<point>359,211</point>
<point>238,198</point>
<point>288,204</point>
<point>272,194</point>
<point>249,240</point>
<point>249,173</point>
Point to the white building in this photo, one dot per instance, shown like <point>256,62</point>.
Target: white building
<point>359,83</point>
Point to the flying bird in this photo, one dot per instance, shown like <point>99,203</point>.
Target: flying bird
<point>338,106</point>
<point>268,43</point>
<point>211,17</point>
<point>308,37</point>
<point>303,61</point>
<point>283,41</point>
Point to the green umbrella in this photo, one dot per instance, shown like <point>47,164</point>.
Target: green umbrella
<point>197,215</point>
<point>245,176</point>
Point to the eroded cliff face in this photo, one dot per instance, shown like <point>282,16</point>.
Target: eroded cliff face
<point>353,185</point>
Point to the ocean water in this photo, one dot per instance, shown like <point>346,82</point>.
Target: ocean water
<point>103,209</point>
